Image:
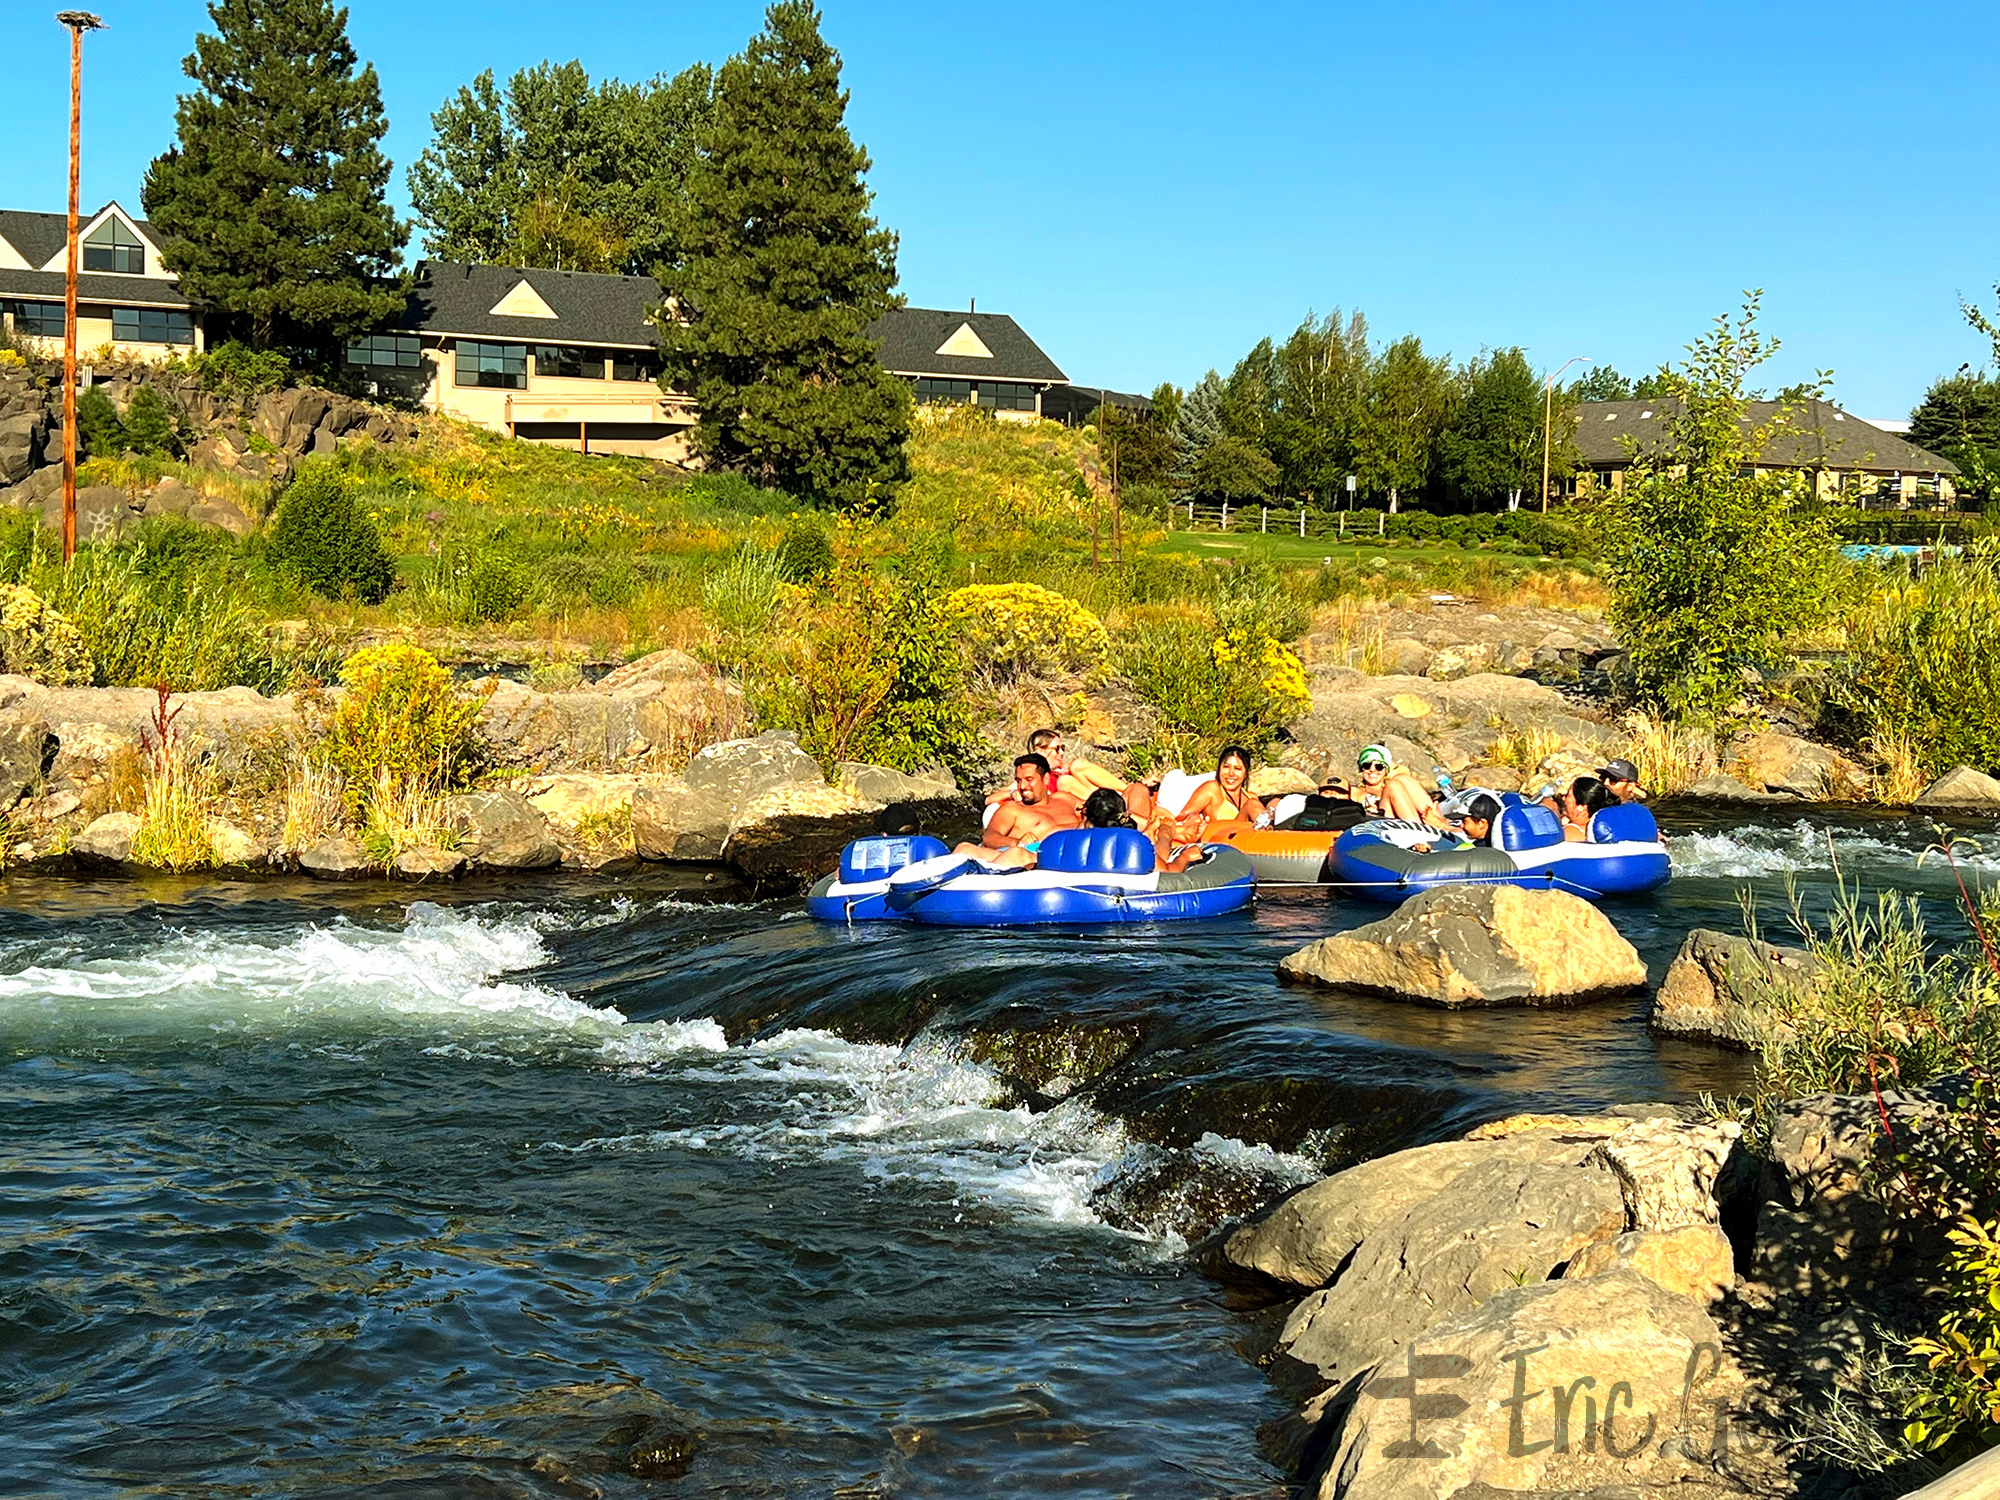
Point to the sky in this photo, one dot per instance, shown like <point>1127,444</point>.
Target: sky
<point>1150,189</point>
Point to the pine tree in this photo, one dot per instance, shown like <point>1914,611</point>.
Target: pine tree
<point>783,269</point>
<point>149,424</point>
<point>272,202</point>
<point>1197,424</point>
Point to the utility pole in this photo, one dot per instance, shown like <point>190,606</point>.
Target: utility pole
<point>78,22</point>
<point>1548,410</point>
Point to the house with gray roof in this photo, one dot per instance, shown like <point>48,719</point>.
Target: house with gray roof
<point>967,359</point>
<point>1843,454</point>
<point>126,298</point>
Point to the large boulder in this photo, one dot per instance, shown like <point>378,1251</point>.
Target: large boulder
<point>1731,989</point>
<point>340,858</point>
<point>736,771</point>
<point>1695,1260</point>
<point>27,749</point>
<point>1478,945</point>
<point>20,445</point>
<point>792,833</point>
<point>908,802</point>
<point>501,831</point>
<point>1961,787</point>
<point>1610,1385</point>
<point>671,821</point>
<point>1786,765</point>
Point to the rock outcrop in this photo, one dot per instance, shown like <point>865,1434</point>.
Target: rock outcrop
<point>1478,945</point>
<point>1729,989</point>
<point>1961,787</point>
<point>500,830</point>
<point>1785,765</point>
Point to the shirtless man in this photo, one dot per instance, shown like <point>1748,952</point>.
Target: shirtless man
<point>1071,781</point>
<point>1033,813</point>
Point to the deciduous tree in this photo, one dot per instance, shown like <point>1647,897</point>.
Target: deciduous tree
<point>783,269</point>
<point>271,203</point>
<point>1404,408</point>
<point>1959,418</point>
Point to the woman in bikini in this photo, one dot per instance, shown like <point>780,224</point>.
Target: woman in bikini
<point>1226,799</point>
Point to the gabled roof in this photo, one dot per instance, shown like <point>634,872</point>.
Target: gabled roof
<point>39,238</point>
<point>451,297</point>
<point>94,286</point>
<point>1821,436</point>
<point>911,337</point>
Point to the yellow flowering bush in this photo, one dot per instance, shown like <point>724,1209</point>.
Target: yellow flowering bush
<point>1010,630</point>
<point>38,642</point>
<point>401,722</point>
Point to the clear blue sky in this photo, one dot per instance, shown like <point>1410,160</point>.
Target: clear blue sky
<point>1151,188</point>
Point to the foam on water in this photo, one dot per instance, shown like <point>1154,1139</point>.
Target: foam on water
<point>439,975</point>
<point>1808,846</point>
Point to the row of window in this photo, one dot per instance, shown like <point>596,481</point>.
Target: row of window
<point>995,395</point>
<point>129,325</point>
<point>114,248</point>
<point>505,366</point>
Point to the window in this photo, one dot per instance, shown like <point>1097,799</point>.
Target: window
<point>404,350</point>
<point>635,364</point>
<point>502,365</point>
<point>1006,395</point>
<point>569,361</point>
<point>151,325</point>
<point>40,320</point>
<point>947,392</point>
<point>113,247</point>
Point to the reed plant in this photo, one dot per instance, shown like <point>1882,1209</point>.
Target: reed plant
<point>1924,662</point>
<point>1670,757</point>
<point>315,803</point>
<point>176,817</point>
<point>404,813</point>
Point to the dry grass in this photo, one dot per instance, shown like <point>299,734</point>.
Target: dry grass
<point>1523,749</point>
<point>1558,589</point>
<point>1670,757</point>
<point>403,815</point>
<point>123,788</point>
<point>175,817</point>
<point>719,713</point>
<point>1355,644</point>
<point>315,804</point>
<point>1903,775</point>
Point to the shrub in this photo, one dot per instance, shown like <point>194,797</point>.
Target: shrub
<point>1254,600</point>
<point>99,431</point>
<point>38,642</point>
<point>401,715</point>
<point>175,829</point>
<point>322,538</point>
<point>237,369</point>
<point>1010,630</point>
<point>1231,690</point>
<point>1963,1356</point>
<point>1924,663</point>
<point>475,583</point>
<point>150,426</point>
<point>743,594</point>
<point>805,551</point>
<point>875,676</point>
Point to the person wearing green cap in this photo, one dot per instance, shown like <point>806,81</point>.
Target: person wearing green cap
<point>1388,790</point>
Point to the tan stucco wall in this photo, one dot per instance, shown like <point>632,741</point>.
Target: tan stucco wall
<point>558,399</point>
<point>93,333</point>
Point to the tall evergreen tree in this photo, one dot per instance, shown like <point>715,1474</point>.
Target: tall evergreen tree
<point>783,269</point>
<point>1959,417</point>
<point>272,203</point>
<point>1197,423</point>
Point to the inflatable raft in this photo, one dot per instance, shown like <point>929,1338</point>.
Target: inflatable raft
<point>1082,875</point>
<point>1298,848</point>
<point>1622,856</point>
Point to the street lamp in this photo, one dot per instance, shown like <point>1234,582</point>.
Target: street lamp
<point>1548,411</point>
<point>78,22</point>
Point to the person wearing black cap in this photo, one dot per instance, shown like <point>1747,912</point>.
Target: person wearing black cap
<point>1476,822</point>
<point>1621,779</point>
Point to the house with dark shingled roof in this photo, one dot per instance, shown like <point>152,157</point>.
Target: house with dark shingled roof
<point>967,359</point>
<point>1843,454</point>
<point>126,298</point>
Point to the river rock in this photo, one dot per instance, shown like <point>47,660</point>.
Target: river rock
<point>1668,1169</point>
<point>1720,788</point>
<point>338,858</point>
<point>501,831</point>
<point>27,749</point>
<point>1459,661</point>
<point>1695,1260</point>
<point>1478,945</point>
<point>571,798</point>
<point>232,845</point>
<point>107,841</point>
<point>1610,1385</point>
<point>429,864</point>
<point>1823,1225</point>
<point>792,834</point>
<point>1267,782</point>
<point>736,771</point>
<point>1961,787</point>
<point>1785,764</point>
<point>1424,1238</point>
<point>1975,1479</point>
<point>908,802</point>
<point>671,821</point>
<point>1730,989</point>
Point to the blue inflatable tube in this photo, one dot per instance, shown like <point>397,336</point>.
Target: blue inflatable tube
<point>1623,856</point>
<point>1088,875</point>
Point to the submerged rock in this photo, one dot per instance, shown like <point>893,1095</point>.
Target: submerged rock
<point>1730,989</point>
<point>1478,945</point>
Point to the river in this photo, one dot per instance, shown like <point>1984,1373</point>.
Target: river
<point>625,1187</point>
